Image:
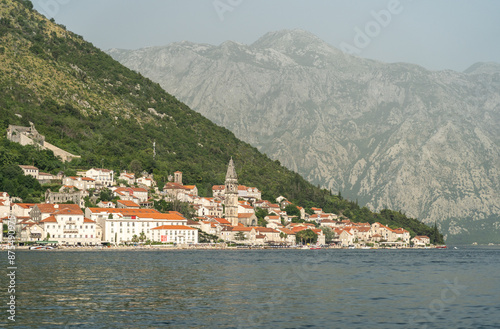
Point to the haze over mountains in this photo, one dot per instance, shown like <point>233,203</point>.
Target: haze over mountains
<point>392,135</point>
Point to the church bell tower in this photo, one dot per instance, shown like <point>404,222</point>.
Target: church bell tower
<point>231,194</point>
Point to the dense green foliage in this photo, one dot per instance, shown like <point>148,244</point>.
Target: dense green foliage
<point>88,104</point>
<point>12,179</point>
<point>306,236</point>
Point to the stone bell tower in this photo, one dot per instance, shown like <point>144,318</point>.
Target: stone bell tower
<point>231,194</point>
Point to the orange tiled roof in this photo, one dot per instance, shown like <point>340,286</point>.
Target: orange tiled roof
<point>242,215</point>
<point>239,228</point>
<point>286,231</point>
<point>50,219</point>
<point>420,237</point>
<point>222,221</point>
<point>218,187</point>
<point>51,208</point>
<point>68,211</point>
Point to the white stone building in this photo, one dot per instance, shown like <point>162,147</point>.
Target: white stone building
<point>102,177</point>
<point>69,226</point>
<point>180,234</point>
<point>81,183</point>
<point>120,225</point>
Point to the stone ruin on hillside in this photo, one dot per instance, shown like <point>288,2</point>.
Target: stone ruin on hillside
<point>30,136</point>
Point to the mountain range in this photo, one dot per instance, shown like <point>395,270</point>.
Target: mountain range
<point>395,135</point>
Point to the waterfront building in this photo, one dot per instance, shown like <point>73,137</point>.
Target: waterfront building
<point>180,234</point>
<point>68,225</point>
<point>121,225</point>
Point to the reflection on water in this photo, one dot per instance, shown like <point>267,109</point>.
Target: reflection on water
<point>279,289</point>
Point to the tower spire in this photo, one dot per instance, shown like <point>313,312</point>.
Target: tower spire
<point>231,171</point>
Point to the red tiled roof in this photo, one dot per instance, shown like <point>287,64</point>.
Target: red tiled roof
<point>88,220</point>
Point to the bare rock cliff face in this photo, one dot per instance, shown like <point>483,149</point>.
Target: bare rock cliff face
<point>391,135</point>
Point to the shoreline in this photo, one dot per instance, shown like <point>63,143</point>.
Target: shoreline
<point>222,247</point>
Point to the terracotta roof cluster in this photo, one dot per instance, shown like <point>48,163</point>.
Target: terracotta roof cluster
<point>49,208</point>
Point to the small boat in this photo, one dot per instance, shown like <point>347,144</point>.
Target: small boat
<point>315,247</point>
<point>440,247</point>
<point>41,247</point>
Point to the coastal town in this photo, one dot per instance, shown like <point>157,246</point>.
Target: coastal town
<point>229,217</point>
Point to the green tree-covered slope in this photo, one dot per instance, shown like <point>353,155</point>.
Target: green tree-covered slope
<point>88,104</point>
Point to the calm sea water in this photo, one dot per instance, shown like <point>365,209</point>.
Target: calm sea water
<point>265,289</point>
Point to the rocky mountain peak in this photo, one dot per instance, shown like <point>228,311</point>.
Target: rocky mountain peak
<point>483,68</point>
<point>393,136</point>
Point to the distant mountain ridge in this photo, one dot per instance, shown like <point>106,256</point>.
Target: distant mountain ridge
<point>391,135</point>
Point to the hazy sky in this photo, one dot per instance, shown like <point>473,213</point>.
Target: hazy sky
<point>437,34</point>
